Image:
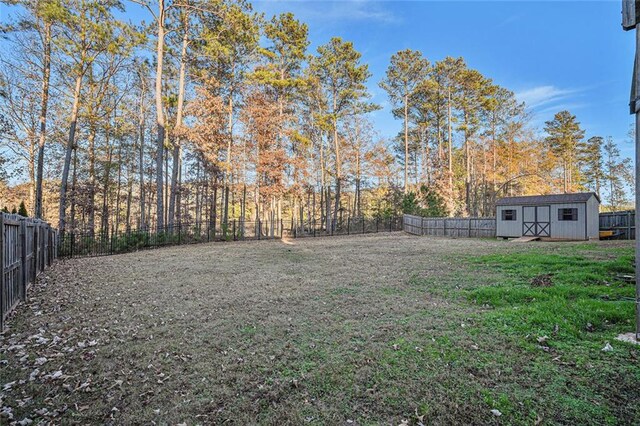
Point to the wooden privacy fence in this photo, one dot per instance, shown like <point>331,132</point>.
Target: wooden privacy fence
<point>621,223</point>
<point>462,227</point>
<point>347,226</point>
<point>27,248</point>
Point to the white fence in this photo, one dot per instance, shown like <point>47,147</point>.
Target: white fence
<point>460,227</point>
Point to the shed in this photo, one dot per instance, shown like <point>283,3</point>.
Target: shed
<point>561,216</point>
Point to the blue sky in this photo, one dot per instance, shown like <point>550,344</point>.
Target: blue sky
<point>554,55</point>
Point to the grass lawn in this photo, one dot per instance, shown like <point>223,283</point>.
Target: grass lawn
<point>379,329</point>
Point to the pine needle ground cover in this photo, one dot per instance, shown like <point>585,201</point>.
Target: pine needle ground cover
<point>382,329</point>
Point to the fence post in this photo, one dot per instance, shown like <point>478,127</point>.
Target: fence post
<point>349,225</point>
<point>235,237</point>
<point>35,253</point>
<point>22,250</point>
<point>2,289</point>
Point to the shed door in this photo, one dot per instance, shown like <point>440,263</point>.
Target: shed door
<point>536,221</point>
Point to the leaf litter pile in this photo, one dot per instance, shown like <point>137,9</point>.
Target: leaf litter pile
<point>328,330</point>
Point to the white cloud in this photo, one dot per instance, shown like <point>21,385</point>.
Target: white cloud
<point>344,10</point>
<point>544,96</point>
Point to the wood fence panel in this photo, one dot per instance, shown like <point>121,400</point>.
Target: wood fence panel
<point>456,227</point>
<point>27,248</point>
<point>413,224</point>
<point>622,223</point>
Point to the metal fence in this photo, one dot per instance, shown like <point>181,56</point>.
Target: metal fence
<point>622,224</point>
<point>27,248</point>
<point>91,243</point>
<point>461,227</point>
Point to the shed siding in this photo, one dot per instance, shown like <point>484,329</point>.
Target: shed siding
<point>593,219</point>
<point>569,229</point>
<point>509,228</point>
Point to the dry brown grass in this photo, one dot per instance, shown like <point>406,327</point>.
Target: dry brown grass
<point>360,329</point>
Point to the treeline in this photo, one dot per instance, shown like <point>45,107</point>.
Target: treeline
<point>208,111</point>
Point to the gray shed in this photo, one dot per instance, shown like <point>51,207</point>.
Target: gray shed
<point>561,216</point>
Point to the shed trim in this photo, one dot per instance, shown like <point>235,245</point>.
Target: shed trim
<point>580,197</point>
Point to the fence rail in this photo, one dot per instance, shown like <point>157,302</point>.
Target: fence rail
<point>27,247</point>
<point>460,227</point>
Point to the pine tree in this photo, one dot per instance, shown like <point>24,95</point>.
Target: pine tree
<point>22,210</point>
<point>406,72</point>
<point>592,163</point>
<point>564,139</point>
<point>90,32</point>
<point>615,171</point>
<point>281,76</point>
<point>342,78</point>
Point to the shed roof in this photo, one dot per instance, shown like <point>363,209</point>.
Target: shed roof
<point>579,197</point>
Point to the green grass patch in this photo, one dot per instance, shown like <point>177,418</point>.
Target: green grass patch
<point>570,296</point>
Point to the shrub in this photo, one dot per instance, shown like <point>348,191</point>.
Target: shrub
<point>22,210</point>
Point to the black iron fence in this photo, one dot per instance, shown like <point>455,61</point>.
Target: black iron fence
<point>27,248</point>
<point>92,243</point>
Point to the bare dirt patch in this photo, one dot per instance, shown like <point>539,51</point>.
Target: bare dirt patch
<point>542,280</point>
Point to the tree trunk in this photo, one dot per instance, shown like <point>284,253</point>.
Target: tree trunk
<point>73,188</point>
<point>338,169</point>
<point>33,144</point>
<point>105,190</point>
<point>160,118</point>
<point>176,140</point>
<point>44,103</point>
<point>141,130</point>
<point>92,177</point>
<point>228,168</point>
<point>467,176</point>
<point>406,144</point>
<point>67,158</point>
<point>450,145</point>
<point>118,187</point>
